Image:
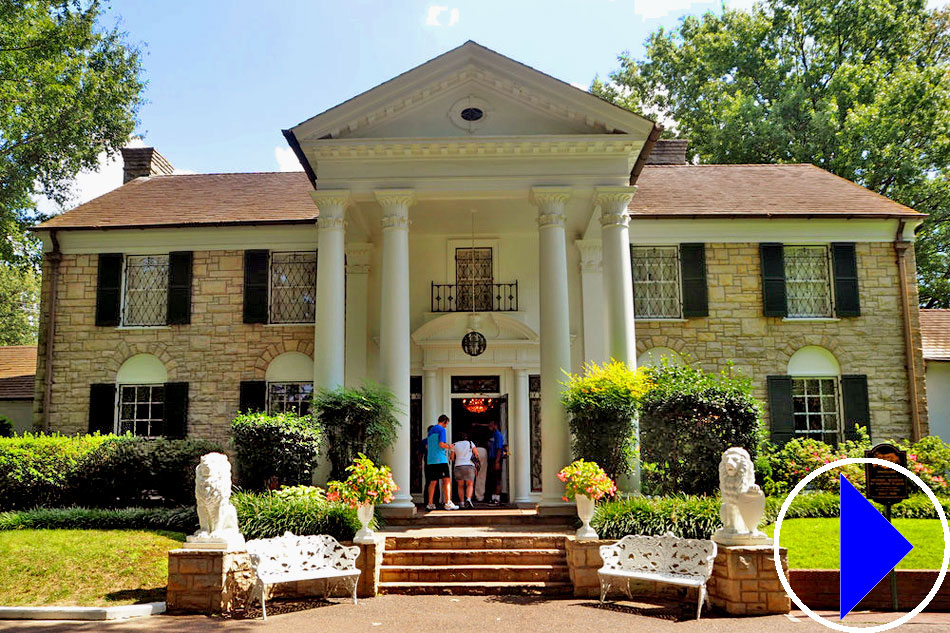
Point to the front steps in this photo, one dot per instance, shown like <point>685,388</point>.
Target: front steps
<point>475,563</point>
<point>527,519</point>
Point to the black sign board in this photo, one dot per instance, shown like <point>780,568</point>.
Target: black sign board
<point>886,485</point>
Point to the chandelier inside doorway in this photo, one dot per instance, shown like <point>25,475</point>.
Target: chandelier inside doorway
<point>478,405</point>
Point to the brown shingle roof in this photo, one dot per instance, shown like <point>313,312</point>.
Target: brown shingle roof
<point>755,191</point>
<point>269,197</point>
<point>17,372</point>
<point>935,332</point>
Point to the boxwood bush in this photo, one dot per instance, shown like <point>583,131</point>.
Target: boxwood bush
<point>688,419</point>
<point>183,519</point>
<point>302,510</point>
<point>273,450</point>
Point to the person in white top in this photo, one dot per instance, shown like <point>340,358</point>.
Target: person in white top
<point>465,470</point>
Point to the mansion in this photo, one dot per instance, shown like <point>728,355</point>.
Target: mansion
<point>463,234</point>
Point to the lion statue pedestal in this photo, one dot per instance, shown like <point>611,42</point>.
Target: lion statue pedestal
<point>217,518</point>
<point>743,502</point>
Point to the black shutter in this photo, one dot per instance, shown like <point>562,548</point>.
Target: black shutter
<point>253,396</point>
<point>854,403</point>
<point>176,410</point>
<point>179,287</point>
<point>693,270</point>
<point>255,286</point>
<point>845,265</point>
<point>781,418</point>
<point>109,289</point>
<point>102,408</point>
<point>774,302</point>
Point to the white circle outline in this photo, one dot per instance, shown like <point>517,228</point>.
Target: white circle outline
<point>856,629</point>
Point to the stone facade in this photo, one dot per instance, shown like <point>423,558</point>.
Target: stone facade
<point>735,331</point>
<point>744,581</point>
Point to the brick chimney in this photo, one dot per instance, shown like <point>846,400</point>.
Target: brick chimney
<point>143,161</point>
<point>668,152</point>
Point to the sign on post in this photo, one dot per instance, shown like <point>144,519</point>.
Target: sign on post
<point>886,485</point>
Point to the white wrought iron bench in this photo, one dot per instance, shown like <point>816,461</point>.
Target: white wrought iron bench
<point>291,558</point>
<point>666,559</point>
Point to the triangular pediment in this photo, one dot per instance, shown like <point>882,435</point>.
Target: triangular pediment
<point>471,91</point>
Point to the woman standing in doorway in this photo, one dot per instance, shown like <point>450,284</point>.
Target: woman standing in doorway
<point>465,470</point>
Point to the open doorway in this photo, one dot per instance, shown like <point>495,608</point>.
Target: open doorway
<point>471,417</point>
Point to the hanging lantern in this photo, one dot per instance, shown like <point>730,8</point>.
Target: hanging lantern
<point>477,405</point>
<point>474,343</point>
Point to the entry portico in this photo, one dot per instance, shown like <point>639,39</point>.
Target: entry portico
<point>471,150</point>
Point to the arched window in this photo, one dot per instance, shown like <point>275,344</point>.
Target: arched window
<point>140,406</point>
<point>655,356</point>
<point>290,383</point>
<point>816,389</point>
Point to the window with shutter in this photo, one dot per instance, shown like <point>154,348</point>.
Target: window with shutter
<point>845,264</point>
<point>102,408</point>
<point>255,286</point>
<point>774,300</point>
<point>693,270</point>
<point>253,396</point>
<point>807,282</point>
<point>855,405</point>
<point>179,287</point>
<point>781,419</point>
<point>656,282</point>
<point>141,410</point>
<point>293,287</point>
<point>109,289</point>
<point>146,290</point>
<point>289,397</point>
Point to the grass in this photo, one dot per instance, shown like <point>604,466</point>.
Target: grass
<point>813,543</point>
<point>84,567</point>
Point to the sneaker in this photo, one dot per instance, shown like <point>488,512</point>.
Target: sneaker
<point>451,506</point>
<point>469,504</point>
<point>431,506</point>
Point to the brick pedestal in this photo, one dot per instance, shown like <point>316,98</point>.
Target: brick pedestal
<point>745,582</point>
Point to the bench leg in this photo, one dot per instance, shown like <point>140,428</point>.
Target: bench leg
<point>354,583</point>
<point>702,599</point>
<point>263,606</point>
<point>604,588</point>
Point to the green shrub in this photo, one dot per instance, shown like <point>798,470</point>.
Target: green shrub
<point>274,449</point>
<point>302,510</point>
<point>183,519</point>
<point>355,421</point>
<point>6,426</point>
<point>687,420</point>
<point>684,516</point>
<point>602,404</point>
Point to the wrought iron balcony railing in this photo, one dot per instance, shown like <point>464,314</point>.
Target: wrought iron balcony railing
<point>477,297</point>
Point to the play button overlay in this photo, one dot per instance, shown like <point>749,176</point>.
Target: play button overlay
<point>870,547</point>
<point>871,554</point>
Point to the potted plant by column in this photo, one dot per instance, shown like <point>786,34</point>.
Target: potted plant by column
<point>366,485</point>
<point>585,482</point>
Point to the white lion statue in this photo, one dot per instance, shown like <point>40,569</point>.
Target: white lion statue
<point>743,502</point>
<point>217,518</point>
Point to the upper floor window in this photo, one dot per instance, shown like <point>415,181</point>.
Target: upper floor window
<point>146,290</point>
<point>293,282</point>
<point>474,278</point>
<point>808,281</point>
<point>656,282</point>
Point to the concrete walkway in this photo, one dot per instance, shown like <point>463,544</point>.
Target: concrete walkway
<point>481,614</point>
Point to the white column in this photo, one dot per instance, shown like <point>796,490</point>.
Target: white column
<point>431,399</point>
<point>520,431</point>
<point>555,338</point>
<point>618,278</point>
<point>328,334</point>
<point>592,300</point>
<point>394,330</point>
<point>358,256</point>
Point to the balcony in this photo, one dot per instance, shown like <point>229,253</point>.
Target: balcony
<point>477,297</point>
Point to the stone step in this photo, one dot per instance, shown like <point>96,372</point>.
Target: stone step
<point>474,557</point>
<point>471,518</point>
<point>478,588</point>
<point>474,573</point>
<point>477,542</point>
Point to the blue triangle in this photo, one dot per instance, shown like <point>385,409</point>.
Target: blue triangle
<point>870,547</point>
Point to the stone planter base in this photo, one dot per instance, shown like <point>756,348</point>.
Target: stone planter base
<point>204,581</point>
<point>745,582</point>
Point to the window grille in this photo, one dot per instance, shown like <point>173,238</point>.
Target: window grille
<point>656,282</point>
<point>141,410</point>
<point>293,282</point>
<point>473,278</point>
<point>534,404</point>
<point>289,397</point>
<point>146,290</point>
<point>815,408</point>
<point>807,281</point>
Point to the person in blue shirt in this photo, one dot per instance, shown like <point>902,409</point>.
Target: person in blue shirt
<point>437,463</point>
<point>496,450</point>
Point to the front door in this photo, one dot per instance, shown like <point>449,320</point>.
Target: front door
<point>471,416</point>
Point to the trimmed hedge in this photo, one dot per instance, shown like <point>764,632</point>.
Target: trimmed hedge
<point>183,519</point>
<point>273,450</point>
<point>303,510</point>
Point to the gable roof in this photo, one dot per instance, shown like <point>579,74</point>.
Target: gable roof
<point>196,199</point>
<point>728,191</point>
<point>17,372</point>
<point>935,332</point>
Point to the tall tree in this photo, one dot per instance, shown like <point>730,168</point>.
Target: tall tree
<point>70,89</point>
<point>858,87</point>
<point>19,305</point>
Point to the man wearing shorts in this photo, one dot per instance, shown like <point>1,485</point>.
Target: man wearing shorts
<point>437,463</point>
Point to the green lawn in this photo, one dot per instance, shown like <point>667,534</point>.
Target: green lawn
<point>84,567</point>
<point>813,543</point>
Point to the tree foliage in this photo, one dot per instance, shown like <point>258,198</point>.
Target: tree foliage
<point>858,87</point>
<point>19,304</point>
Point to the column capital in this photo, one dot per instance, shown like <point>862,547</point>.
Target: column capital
<point>550,202</point>
<point>357,257</point>
<point>331,202</point>
<point>395,204</point>
<point>592,254</point>
<point>613,203</point>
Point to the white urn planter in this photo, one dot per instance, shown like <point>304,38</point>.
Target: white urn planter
<point>365,514</point>
<point>585,512</point>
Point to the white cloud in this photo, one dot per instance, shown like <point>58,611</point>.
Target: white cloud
<point>580,86</point>
<point>286,159</point>
<point>653,9</point>
<point>435,11</point>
